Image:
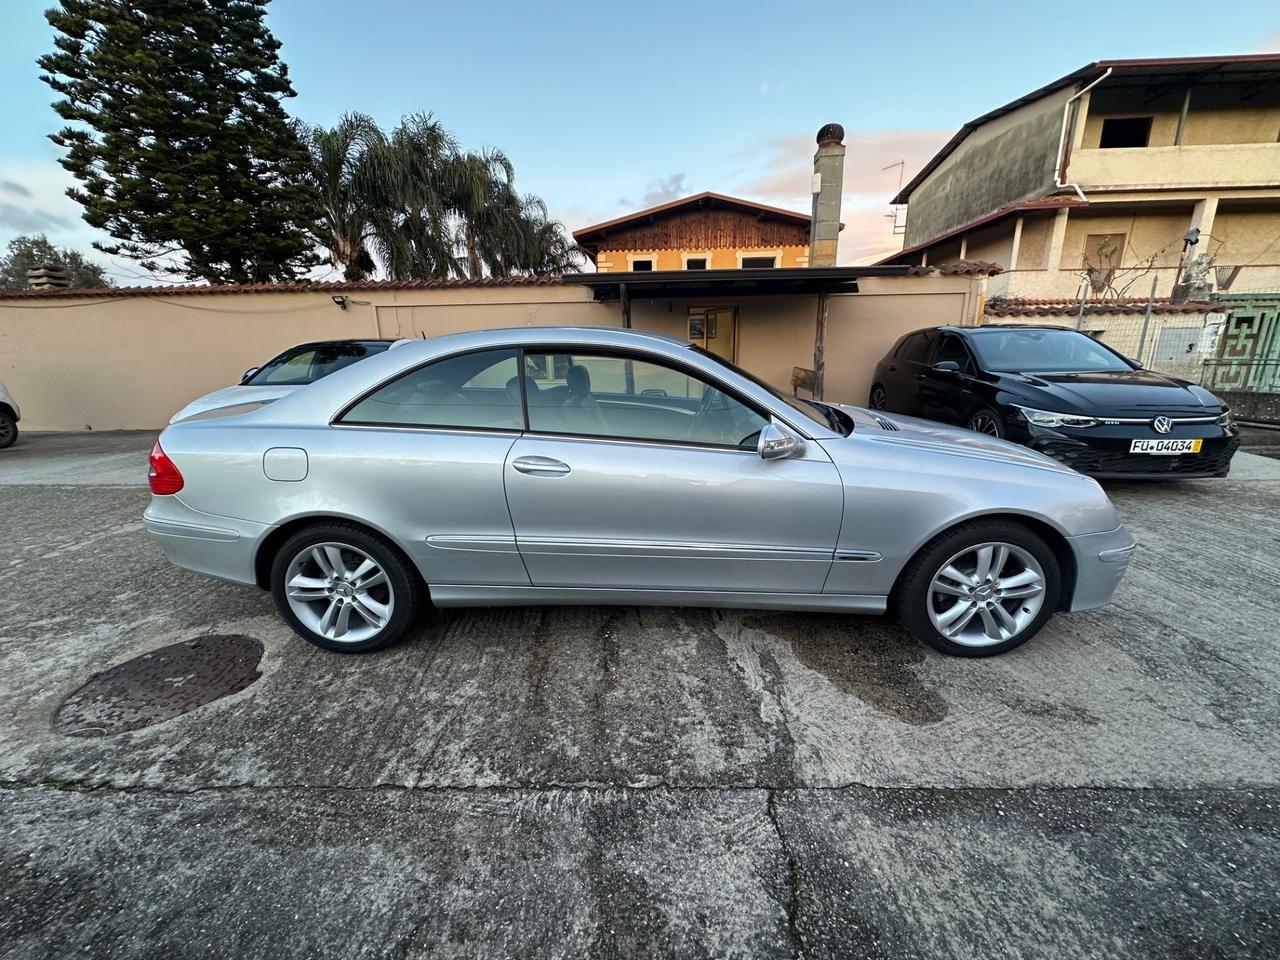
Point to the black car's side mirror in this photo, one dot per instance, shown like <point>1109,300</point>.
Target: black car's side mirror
<point>947,366</point>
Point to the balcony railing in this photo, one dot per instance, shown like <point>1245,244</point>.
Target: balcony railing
<point>1154,168</point>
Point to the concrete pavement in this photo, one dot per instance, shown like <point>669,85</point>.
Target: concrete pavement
<point>642,782</point>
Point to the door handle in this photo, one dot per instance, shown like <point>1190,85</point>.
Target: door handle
<point>540,466</point>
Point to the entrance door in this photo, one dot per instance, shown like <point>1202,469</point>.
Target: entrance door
<point>715,329</point>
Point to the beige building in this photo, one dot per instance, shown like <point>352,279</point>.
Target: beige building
<point>129,358</point>
<point>1101,174</point>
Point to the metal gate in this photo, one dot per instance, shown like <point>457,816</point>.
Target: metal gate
<point>1248,354</point>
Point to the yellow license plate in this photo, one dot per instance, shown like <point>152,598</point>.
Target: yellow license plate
<point>1165,447</point>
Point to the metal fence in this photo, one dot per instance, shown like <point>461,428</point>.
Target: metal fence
<point>1234,346</point>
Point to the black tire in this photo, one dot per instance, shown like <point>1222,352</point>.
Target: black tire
<point>404,584</point>
<point>913,594</point>
<point>987,421</point>
<point>8,430</point>
<point>878,399</point>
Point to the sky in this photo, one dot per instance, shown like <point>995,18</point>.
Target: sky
<point>606,108</point>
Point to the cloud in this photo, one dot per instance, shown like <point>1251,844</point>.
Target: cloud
<point>659,191</point>
<point>26,219</point>
<point>14,187</point>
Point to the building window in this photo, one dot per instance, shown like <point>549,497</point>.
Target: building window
<point>639,265</point>
<point>757,263</point>
<point>695,263</point>
<point>1125,132</point>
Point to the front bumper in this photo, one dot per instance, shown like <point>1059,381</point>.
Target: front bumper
<point>1101,560</point>
<point>1103,451</point>
<point>222,547</point>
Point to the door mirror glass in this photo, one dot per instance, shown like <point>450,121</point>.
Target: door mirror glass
<point>248,374</point>
<point>778,443</point>
<point>947,366</point>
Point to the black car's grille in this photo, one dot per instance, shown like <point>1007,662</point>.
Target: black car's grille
<point>1215,459</point>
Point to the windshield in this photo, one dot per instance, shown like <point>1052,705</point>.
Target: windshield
<point>311,361</point>
<point>819,413</point>
<point>1042,351</point>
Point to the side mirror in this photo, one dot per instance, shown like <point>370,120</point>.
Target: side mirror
<point>947,366</point>
<point>248,373</point>
<point>778,443</point>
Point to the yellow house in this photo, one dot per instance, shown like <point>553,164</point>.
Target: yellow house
<point>1103,173</point>
<point>707,231</point>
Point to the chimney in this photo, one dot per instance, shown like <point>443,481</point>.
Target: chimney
<point>828,182</point>
<point>48,276</point>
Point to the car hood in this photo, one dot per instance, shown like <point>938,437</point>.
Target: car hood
<point>1121,393</point>
<point>232,397</point>
<point>942,439</point>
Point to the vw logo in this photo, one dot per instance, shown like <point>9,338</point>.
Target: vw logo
<point>1162,424</point>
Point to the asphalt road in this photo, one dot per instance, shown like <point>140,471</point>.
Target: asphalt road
<point>605,782</point>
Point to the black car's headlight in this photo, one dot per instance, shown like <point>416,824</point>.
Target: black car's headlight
<point>1225,420</point>
<point>1048,418</point>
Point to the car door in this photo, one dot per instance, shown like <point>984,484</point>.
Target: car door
<point>645,476</point>
<point>903,372</point>
<point>946,395</point>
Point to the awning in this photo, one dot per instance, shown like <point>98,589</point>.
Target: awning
<point>765,282</point>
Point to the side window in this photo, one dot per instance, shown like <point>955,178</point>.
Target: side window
<point>473,390</point>
<point>916,347</point>
<point>951,347</point>
<point>625,398</point>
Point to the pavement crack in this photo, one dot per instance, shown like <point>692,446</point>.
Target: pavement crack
<point>792,905</point>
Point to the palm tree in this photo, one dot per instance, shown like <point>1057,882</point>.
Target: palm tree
<point>475,187</point>
<point>345,216</point>
<point>405,179</point>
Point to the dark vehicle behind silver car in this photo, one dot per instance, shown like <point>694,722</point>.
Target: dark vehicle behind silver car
<point>1062,393</point>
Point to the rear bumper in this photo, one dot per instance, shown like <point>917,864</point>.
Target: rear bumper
<point>1101,560</point>
<point>222,547</point>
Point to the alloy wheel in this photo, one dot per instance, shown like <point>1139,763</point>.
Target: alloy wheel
<point>985,423</point>
<point>879,400</point>
<point>8,431</point>
<point>986,594</point>
<point>339,592</point>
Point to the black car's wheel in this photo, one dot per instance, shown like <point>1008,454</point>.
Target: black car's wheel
<point>986,421</point>
<point>8,430</point>
<point>979,589</point>
<point>879,399</point>
<point>345,589</point>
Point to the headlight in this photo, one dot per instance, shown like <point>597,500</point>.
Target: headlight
<point>1047,418</point>
<point>1224,420</point>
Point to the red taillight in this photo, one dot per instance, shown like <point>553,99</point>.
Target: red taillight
<point>163,475</point>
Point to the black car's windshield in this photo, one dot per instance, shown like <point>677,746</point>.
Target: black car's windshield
<point>1042,351</point>
<point>817,412</point>
<point>311,361</point>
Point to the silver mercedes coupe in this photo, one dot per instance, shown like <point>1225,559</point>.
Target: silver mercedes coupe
<point>596,466</point>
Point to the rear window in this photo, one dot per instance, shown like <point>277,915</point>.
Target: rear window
<point>312,361</point>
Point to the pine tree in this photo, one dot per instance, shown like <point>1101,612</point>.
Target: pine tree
<point>177,135</point>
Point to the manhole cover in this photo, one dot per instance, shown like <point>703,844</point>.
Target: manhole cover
<point>160,685</point>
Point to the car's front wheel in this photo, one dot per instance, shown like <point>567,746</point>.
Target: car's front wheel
<point>344,589</point>
<point>8,430</point>
<point>879,399</point>
<point>986,421</point>
<point>979,589</point>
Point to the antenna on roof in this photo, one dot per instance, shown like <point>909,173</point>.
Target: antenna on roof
<point>897,208</point>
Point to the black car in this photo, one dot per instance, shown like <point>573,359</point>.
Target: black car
<point>1060,392</point>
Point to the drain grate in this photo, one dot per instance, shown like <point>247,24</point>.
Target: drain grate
<point>160,685</point>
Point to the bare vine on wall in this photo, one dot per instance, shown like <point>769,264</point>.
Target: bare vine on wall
<point>1110,279</point>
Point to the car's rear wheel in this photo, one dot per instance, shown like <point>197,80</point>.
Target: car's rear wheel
<point>979,589</point>
<point>986,421</point>
<point>879,399</point>
<point>8,430</point>
<point>344,589</point>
